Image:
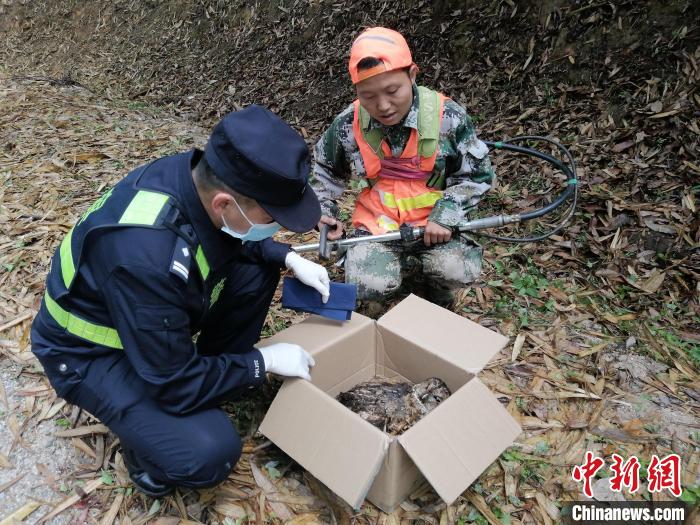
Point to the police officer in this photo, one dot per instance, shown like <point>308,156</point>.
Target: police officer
<point>180,246</point>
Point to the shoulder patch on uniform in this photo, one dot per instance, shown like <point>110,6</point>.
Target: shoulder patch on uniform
<point>182,257</point>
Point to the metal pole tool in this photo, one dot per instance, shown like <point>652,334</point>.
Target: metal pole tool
<point>408,233</point>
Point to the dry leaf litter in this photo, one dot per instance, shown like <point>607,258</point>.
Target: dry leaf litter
<point>604,317</point>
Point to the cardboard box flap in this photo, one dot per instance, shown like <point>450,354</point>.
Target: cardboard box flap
<point>454,338</point>
<point>460,438</point>
<point>337,446</point>
<point>316,333</point>
<point>326,340</point>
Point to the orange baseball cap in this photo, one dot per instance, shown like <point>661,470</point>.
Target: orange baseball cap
<point>383,44</point>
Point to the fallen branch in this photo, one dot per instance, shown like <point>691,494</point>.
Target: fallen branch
<point>16,321</point>
<point>82,431</point>
<point>89,487</point>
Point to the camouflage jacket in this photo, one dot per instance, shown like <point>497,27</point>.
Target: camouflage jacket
<point>462,158</point>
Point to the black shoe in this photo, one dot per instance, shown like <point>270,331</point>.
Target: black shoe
<point>141,479</point>
<point>150,487</point>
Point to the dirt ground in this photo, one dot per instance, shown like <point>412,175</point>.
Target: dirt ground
<point>604,317</point>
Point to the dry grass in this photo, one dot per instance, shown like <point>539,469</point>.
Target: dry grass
<point>604,318</point>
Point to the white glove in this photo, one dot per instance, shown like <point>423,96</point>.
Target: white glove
<point>310,273</point>
<point>287,359</point>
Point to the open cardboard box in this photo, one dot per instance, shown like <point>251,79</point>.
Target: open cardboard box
<point>415,340</point>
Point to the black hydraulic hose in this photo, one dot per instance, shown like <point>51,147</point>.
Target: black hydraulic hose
<point>557,164</point>
<point>550,207</point>
<point>572,185</point>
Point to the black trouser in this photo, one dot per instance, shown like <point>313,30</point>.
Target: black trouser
<point>194,450</point>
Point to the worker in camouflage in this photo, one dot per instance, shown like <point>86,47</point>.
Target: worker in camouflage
<point>436,191</point>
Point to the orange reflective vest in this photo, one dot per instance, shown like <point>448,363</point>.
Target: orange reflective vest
<point>398,191</point>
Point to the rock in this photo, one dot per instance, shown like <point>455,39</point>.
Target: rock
<point>602,491</point>
<point>631,369</point>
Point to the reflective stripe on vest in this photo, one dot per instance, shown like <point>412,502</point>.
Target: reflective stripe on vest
<point>95,333</point>
<point>387,223</point>
<point>143,210</point>
<point>67,266</point>
<point>410,203</point>
<point>202,262</point>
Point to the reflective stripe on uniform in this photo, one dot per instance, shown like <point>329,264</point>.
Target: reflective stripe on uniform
<point>429,119</point>
<point>95,333</point>
<point>387,223</point>
<point>144,208</point>
<point>67,265</point>
<point>403,204</point>
<point>202,262</point>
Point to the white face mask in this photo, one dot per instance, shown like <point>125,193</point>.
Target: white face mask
<point>256,232</point>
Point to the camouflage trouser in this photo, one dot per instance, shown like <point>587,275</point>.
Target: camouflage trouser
<point>379,269</point>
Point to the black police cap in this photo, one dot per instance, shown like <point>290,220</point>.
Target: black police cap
<point>260,156</point>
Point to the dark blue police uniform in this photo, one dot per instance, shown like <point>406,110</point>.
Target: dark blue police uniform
<point>141,273</point>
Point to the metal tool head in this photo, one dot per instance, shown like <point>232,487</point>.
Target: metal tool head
<point>410,233</point>
<point>324,247</point>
